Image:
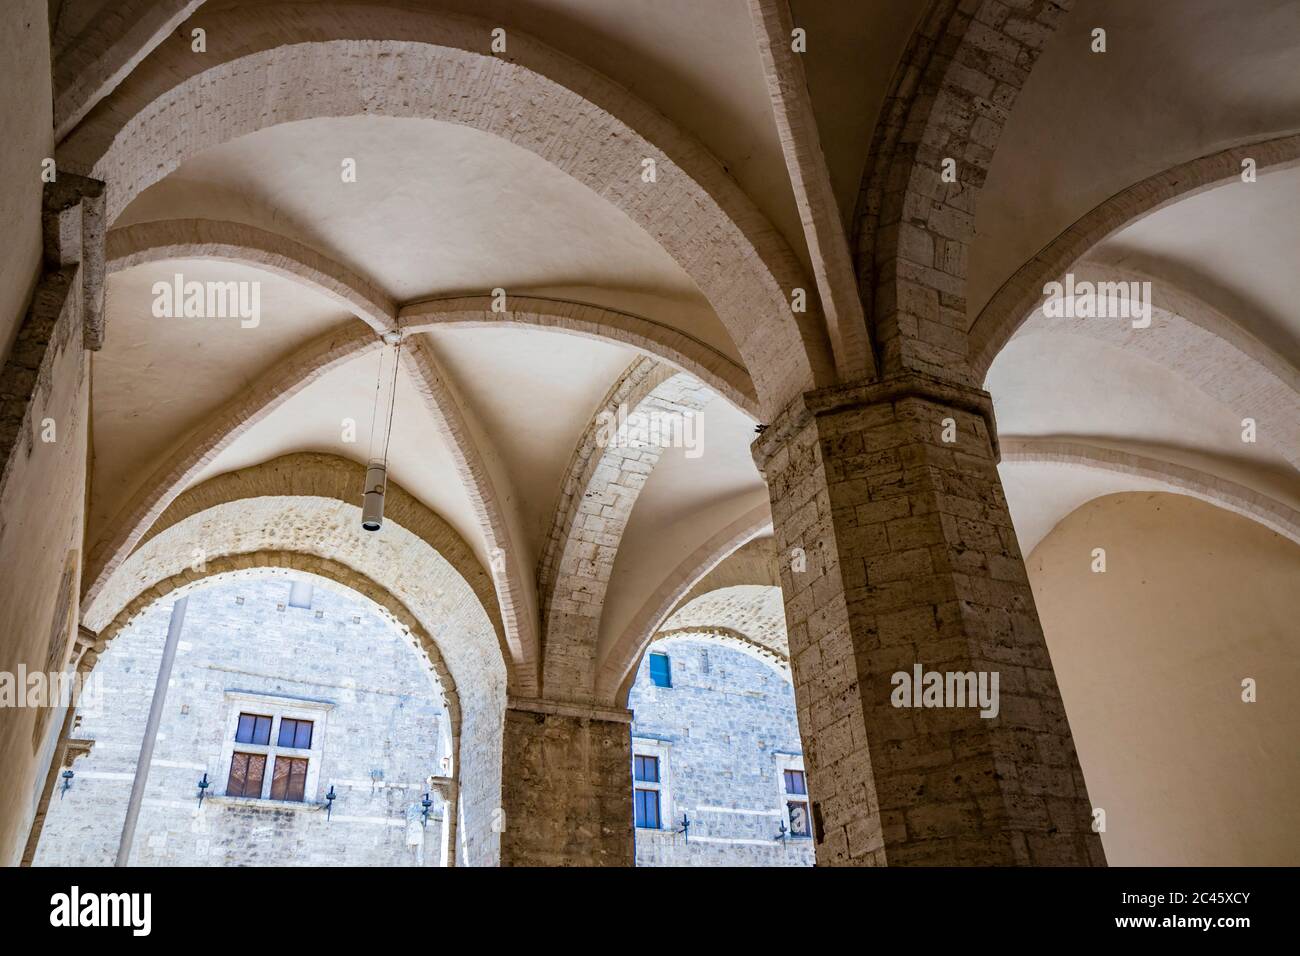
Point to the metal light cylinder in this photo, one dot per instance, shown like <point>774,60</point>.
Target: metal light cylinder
<point>372,504</point>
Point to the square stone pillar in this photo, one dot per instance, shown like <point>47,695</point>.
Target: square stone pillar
<point>566,785</point>
<point>898,551</point>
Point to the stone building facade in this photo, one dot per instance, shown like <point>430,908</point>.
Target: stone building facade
<point>378,732</point>
<point>722,736</point>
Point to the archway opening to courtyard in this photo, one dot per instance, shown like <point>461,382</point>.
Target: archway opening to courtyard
<point>718,774</point>
<point>300,724</point>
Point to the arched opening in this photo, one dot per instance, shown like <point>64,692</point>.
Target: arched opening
<point>306,716</point>
<point>718,774</point>
<point>1148,439</point>
<point>214,529</point>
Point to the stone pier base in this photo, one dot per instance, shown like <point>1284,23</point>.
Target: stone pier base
<point>566,786</point>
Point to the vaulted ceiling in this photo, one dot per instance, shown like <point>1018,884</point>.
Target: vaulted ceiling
<point>440,210</point>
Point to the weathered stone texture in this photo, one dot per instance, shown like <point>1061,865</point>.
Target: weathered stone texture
<point>912,559</point>
<point>566,787</point>
<point>44,424</point>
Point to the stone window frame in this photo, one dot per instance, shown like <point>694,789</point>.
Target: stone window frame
<point>784,762</point>
<point>278,706</point>
<point>662,749</point>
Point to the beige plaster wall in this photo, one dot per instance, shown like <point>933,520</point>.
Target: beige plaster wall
<point>1150,657</point>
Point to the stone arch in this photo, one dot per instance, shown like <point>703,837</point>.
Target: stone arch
<point>389,607</point>
<point>596,500</point>
<point>259,531</point>
<point>327,60</point>
<point>1162,475</point>
<point>106,53</point>
<point>951,97</point>
<point>746,617</point>
<point>1022,294</point>
<point>1200,344</point>
<point>618,665</point>
<point>131,246</point>
<point>313,474</point>
<point>155,241</point>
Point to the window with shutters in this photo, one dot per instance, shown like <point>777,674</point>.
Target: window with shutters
<point>274,747</point>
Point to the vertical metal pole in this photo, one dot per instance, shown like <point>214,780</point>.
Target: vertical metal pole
<point>151,732</point>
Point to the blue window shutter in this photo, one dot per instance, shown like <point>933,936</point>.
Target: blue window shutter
<point>661,674</point>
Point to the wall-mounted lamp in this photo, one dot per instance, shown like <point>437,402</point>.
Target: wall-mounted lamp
<point>203,789</point>
<point>685,829</point>
<point>329,802</point>
<point>67,783</point>
<point>784,832</point>
<point>427,804</point>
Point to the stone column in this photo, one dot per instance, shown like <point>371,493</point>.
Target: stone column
<point>566,785</point>
<point>909,558</point>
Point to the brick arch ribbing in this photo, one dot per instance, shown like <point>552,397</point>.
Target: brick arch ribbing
<point>312,531</point>
<point>951,98</point>
<point>602,484</point>
<point>756,610</point>
<point>317,475</point>
<point>650,338</point>
<point>137,245</point>
<point>294,62</point>
<point>159,240</point>
<point>1022,294</point>
<point>179,469</point>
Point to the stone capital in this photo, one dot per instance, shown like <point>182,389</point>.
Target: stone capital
<point>850,396</point>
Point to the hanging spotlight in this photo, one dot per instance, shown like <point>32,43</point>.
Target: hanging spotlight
<point>372,504</point>
<point>372,501</point>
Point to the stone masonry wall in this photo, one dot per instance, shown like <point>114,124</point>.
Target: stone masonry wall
<point>726,722</point>
<point>381,739</point>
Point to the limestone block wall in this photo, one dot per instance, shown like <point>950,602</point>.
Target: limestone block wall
<point>722,729</point>
<point>382,736</point>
